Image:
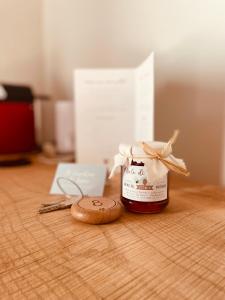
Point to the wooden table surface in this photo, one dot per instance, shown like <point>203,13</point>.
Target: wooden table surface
<point>178,254</point>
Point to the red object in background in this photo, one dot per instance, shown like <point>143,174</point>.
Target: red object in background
<point>16,127</point>
<point>17,132</point>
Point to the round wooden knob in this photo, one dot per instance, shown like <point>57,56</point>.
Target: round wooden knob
<point>96,210</point>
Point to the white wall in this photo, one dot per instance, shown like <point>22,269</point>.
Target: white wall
<point>21,55</point>
<point>189,42</point>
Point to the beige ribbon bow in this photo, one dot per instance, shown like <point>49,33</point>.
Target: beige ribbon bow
<point>162,154</point>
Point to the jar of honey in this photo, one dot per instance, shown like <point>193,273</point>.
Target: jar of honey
<point>145,168</point>
<point>139,193</point>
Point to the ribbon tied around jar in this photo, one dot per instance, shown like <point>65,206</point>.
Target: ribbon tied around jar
<point>156,156</point>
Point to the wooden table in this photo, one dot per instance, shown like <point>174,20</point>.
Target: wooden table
<point>178,254</point>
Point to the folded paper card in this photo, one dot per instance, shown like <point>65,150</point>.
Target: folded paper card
<point>90,179</point>
<point>112,105</point>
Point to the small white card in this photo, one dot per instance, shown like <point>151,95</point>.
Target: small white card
<point>90,179</point>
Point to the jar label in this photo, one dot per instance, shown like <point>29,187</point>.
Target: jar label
<point>136,187</point>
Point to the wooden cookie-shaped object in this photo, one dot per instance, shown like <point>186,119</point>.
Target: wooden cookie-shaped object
<point>96,210</point>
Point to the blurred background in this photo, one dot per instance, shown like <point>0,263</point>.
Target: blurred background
<point>43,41</point>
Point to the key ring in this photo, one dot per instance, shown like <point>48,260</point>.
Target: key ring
<point>71,181</point>
<point>92,210</point>
<point>68,199</point>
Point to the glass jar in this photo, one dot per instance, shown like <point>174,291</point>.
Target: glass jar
<point>140,196</point>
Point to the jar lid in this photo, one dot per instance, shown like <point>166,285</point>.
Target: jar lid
<point>156,156</point>
<point>135,150</point>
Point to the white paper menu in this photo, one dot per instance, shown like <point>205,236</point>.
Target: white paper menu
<point>112,106</point>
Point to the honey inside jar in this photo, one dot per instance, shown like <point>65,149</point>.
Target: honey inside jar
<point>141,196</point>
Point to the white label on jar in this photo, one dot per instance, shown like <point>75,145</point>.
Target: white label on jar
<point>135,186</point>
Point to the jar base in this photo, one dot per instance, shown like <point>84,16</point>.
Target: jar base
<point>144,207</point>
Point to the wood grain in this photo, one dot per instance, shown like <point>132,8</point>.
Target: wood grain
<point>178,254</point>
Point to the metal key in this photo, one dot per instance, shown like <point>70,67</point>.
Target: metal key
<point>56,206</point>
<point>62,204</point>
